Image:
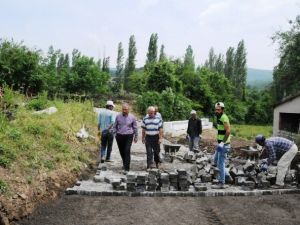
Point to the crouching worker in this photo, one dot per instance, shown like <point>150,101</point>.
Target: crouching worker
<point>281,149</point>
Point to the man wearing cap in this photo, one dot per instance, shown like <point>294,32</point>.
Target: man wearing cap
<point>223,138</point>
<point>105,125</point>
<point>193,131</point>
<point>281,149</point>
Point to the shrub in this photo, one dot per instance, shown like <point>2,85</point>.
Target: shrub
<point>39,103</point>
<point>3,186</point>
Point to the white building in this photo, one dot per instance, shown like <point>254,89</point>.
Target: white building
<point>287,116</point>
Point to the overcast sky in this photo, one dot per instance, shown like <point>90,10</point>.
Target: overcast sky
<point>95,27</point>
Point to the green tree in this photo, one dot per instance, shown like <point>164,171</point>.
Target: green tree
<point>189,61</point>
<point>152,49</point>
<point>130,62</point>
<point>229,64</point>
<point>162,55</point>
<point>219,65</point>
<point>286,79</point>
<point>162,77</point>
<point>240,71</point>
<point>119,68</point>
<point>20,67</point>
<point>211,62</point>
<point>105,64</point>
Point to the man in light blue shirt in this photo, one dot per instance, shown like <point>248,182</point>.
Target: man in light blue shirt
<point>105,126</point>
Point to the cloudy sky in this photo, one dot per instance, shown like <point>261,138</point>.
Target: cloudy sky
<point>95,27</point>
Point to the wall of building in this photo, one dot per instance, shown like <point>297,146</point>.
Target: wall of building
<point>292,106</point>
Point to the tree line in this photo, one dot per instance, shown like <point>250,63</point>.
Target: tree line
<point>175,84</point>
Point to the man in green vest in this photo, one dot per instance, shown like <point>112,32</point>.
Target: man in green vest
<point>223,138</point>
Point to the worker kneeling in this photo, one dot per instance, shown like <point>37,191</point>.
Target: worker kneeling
<point>281,149</point>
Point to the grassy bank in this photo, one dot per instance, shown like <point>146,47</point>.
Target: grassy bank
<point>31,143</point>
<point>250,131</point>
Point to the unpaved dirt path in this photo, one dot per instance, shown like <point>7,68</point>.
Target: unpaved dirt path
<point>85,210</point>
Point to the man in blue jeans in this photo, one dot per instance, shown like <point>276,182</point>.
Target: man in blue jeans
<point>105,125</point>
<point>223,147</point>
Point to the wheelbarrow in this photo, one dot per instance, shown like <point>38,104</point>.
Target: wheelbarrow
<point>170,151</point>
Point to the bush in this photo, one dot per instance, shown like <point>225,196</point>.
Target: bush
<point>39,103</point>
<point>172,106</point>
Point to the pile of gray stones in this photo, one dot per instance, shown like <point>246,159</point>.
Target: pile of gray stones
<point>246,173</point>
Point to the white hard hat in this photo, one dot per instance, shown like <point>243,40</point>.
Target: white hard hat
<point>193,112</point>
<point>109,102</point>
<point>219,104</point>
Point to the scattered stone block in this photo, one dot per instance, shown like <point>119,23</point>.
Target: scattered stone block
<point>206,178</point>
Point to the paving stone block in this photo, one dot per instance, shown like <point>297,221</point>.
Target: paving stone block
<point>206,178</point>
<point>240,180</point>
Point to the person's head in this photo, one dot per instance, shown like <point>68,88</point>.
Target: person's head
<point>219,108</point>
<point>110,105</point>
<point>125,109</point>
<point>151,111</point>
<point>260,139</point>
<point>193,114</point>
<point>156,109</point>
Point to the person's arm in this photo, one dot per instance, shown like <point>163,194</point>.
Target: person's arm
<point>227,133</point>
<point>143,131</point>
<point>161,132</point>
<point>112,121</point>
<point>115,126</point>
<point>271,154</point>
<point>188,128</point>
<point>200,126</point>
<point>135,130</point>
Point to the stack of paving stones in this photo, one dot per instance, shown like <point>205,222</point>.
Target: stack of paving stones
<point>153,180</point>
<point>165,182</point>
<point>173,177</point>
<point>141,181</point>
<point>183,180</point>
<point>131,182</point>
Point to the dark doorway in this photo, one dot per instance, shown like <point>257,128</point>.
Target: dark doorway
<point>289,122</point>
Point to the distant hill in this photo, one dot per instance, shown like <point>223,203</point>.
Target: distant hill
<point>258,78</point>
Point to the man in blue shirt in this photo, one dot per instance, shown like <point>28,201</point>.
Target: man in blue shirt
<point>278,148</point>
<point>105,125</point>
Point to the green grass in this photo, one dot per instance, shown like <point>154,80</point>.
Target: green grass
<point>32,142</point>
<point>3,187</point>
<point>250,131</point>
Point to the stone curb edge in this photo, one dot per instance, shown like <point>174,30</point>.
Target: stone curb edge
<point>70,191</point>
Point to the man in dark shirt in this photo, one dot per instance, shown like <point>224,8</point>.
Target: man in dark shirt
<point>193,131</point>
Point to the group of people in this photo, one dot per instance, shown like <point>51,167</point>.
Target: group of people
<point>124,128</point>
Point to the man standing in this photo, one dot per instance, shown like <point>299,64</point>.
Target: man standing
<point>193,131</point>
<point>223,138</point>
<point>278,148</point>
<point>152,135</point>
<point>105,124</point>
<point>125,129</point>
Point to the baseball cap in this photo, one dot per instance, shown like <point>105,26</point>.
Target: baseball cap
<point>109,102</point>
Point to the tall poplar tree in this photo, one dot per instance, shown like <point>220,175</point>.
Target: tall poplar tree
<point>162,54</point>
<point>130,62</point>
<point>189,61</point>
<point>229,64</point>
<point>152,49</point>
<point>120,66</point>
<point>240,70</point>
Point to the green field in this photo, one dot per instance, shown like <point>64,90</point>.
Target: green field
<point>250,131</point>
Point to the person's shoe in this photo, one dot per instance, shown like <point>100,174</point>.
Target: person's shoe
<point>108,160</point>
<point>125,172</point>
<point>219,186</point>
<point>158,165</point>
<point>102,160</point>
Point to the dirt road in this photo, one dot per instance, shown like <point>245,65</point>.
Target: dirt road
<point>83,210</point>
